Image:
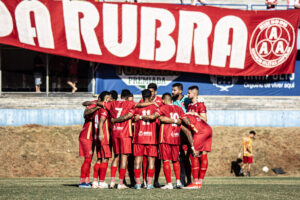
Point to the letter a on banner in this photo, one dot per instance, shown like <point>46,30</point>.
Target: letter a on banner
<point>42,31</point>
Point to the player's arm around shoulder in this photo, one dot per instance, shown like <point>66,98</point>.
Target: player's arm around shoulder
<point>167,120</point>
<point>122,118</point>
<point>88,103</point>
<point>90,111</point>
<point>149,117</point>
<point>145,104</point>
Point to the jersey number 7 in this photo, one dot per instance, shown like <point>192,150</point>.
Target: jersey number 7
<point>119,111</point>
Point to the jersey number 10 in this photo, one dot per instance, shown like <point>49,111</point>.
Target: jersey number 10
<point>174,116</point>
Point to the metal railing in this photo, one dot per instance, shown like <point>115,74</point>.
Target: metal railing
<point>263,7</point>
<point>232,5</point>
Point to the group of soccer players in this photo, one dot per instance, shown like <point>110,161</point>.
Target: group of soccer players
<point>153,129</point>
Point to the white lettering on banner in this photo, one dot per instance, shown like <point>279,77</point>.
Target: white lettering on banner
<point>189,37</point>
<point>156,36</point>
<point>5,20</point>
<point>87,26</point>
<point>221,48</point>
<point>129,29</point>
<point>42,31</point>
<point>274,33</point>
<point>150,34</point>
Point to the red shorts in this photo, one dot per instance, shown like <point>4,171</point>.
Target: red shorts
<point>168,152</point>
<point>203,141</point>
<point>145,150</point>
<point>86,148</point>
<point>247,159</point>
<point>122,145</point>
<point>104,151</point>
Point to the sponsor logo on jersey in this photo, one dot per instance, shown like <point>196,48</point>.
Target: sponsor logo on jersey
<point>174,134</point>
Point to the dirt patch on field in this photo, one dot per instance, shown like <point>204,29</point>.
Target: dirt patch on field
<point>39,151</point>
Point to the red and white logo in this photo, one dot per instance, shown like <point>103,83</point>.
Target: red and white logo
<point>272,42</point>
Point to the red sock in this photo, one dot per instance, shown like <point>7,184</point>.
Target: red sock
<point>203,166</point>
<point>122,176</point>
<point>167,171</point>
<point>151,173</point>
<point>96,171</point>
<point>87,178</point>
<point>103,169</point>
<point>195,168</point>
<point>137,175</point>
<point>113,171</point>
<point>85,167</point>
<point>176,168</point>
<point>145,162</point>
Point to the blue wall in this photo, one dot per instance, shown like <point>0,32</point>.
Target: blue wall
<point>241,118</point>
<point>49,117</point>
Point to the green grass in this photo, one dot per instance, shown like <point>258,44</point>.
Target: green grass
<point>286,188</point>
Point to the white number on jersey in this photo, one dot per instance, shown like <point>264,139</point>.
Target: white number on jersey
<point>145,113</point>
<point>119,112</point>
<point>174,116</point>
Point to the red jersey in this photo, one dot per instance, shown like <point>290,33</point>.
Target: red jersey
<point>117,109</point>
<point>197,107</point>
<point>200,125</point>
<point>170,133</point>
<point>145,131</point>
<point>158,100</point>
<point>104,113</point>
<point>90,127</point>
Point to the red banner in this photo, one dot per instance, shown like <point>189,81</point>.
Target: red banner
<point>198,39</point>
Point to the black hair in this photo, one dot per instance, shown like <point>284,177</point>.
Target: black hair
<point>153,86</point>
<point>114,94</point>
<point>179,85</point>
<point>125,94</point>
<point>252,132</point>
<point>194,87</point>
<point>146,94</point>
<point>102,95</point>
<point>167,95</point>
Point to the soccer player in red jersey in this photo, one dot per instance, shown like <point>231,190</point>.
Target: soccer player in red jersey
<point>200,142</point>
<point>121,135</point>
<point>195,106</point>
<point>169,138</point>
<point>86,145</point>
<point>145,144</point>
<point>101,138</point>
<point>159,102</point>
<point>144,139</point>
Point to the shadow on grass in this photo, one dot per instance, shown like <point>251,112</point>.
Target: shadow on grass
<point>70,185</point>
